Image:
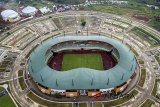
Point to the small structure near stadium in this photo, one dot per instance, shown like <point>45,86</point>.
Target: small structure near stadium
<point>29,11</point>
<point>10,16</point>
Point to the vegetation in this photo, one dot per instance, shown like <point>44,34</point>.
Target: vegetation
<point>57,23</point>
<point>68,21</point>
<point>141,62</point>
<point>158,59</point>
<point>20,73</point>
<point>6,101</point>
<point>130,9</point>
<point>22,83</point>
<point>1,89</point>
<point>115,9</point>
<point>147,103</point>
<point>153,2</point>
<point>147,36</point>
<point>83,21</point>
<point>82,104</point>
<point>155,24</point>
<point>143,77</point>
<point>37,3</point>
<point>154,91</point>
<point>97,105</point>
<point>72,61</point>
<point>22,64</point>
<point>46,103</point>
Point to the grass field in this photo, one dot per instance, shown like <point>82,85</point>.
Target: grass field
<point>142,78</point>
<point>155,89</point>
<point>22,83</point>
<point>147,103</point>
<point>72,61</point>
<point>6,101</point>
<point>129,10</point>
<point>152,39</point>
<point>47,103</point>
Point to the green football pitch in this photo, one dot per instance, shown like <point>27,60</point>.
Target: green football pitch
<point>72,61</point>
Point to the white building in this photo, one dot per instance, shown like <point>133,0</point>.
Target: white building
<point>44,10</point>
<point>3,53</point>
<point>29,11</point>
<point>10,15</point>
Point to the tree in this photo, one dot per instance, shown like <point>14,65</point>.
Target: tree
<point>82,19</point>
<point>83,24</point>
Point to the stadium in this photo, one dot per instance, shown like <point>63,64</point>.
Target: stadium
<point>82,65</point>
<point>94,54</point>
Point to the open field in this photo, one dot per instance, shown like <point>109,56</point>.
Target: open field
<point>1,89</point>
<point>147,103</point>
<point>72,61</point>
<point>158,59</point>
<point>129,10</point>
<point>6,101</point>
<point>141,62</point>
<point>155,89</point>
<point>46,103</point>
<point>150,38</point>
<point>20,73</point>
<point>22,83</point>
<point>143,77</point>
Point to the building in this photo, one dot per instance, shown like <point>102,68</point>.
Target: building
<point>10,16</point>
<point>82,81</point>
<point>29,11</point>
<point>3,53</point>
<point>44,10</point>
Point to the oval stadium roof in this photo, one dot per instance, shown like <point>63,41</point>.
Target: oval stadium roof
<point>29,9</point>
<point>9,14</point>
<point>83,78</point>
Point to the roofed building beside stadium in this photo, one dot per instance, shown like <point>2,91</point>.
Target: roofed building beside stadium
<point>10,16</point>
<point>29,11</point>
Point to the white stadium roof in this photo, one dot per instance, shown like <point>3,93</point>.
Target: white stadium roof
<point>29,9</point>
<point>9,14</point>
